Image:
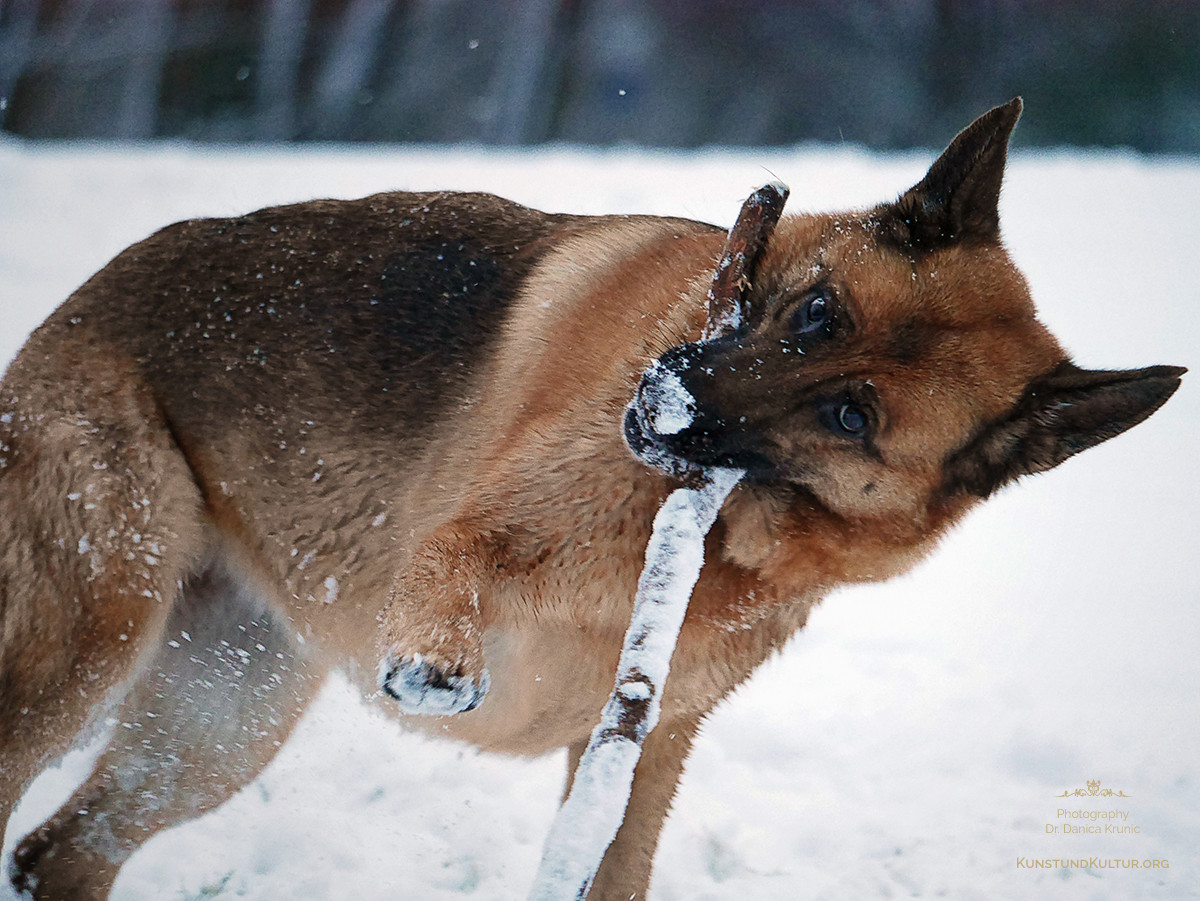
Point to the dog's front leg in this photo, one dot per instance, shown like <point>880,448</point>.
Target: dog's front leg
<point>431,631</point>
<point>625,870</point>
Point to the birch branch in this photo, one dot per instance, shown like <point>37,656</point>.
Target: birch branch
<point>589,819</point>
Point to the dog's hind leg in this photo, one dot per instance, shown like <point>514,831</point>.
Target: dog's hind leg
<point>100,521</point>
<point>208,714</point>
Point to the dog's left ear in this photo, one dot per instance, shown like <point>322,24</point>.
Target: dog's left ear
<point>959,197</point>
<point>1063,413</point>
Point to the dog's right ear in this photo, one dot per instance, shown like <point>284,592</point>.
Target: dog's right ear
<point>1064,412</point>
<point>959,198</point>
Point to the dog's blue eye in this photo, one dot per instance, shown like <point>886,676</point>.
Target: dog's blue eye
<point>851,419</point>
<point>812,315</point>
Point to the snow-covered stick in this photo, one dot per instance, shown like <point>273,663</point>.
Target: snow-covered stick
<point>589,818</point>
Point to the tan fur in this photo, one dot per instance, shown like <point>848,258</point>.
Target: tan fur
<point>167,466</point>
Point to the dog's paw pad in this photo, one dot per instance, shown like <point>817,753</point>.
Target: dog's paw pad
<point>423,687</point>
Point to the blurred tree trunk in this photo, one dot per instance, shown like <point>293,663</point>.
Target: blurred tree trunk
<point>16,47</point>
<point>342,82</point>
<point>277,87</point>
<point>149,27</point>
<point>523,84</point>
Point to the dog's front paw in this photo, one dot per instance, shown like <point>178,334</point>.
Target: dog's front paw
<point>423,686</point>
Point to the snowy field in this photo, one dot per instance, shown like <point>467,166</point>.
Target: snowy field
<point>912,741</point>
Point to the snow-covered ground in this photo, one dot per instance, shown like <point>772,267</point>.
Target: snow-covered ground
<point>912,741</point>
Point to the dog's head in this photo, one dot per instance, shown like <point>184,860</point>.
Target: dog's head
<point>883,360</point>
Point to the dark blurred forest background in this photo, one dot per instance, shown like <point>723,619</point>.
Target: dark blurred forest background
<point>666,73</point>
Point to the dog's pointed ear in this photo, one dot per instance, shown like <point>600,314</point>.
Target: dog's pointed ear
<point>958,199</point>
<point>1063,413</point>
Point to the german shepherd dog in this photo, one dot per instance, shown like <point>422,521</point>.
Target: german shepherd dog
<point>393,436</point>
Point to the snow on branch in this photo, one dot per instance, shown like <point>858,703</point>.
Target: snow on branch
<point>589,819</point>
